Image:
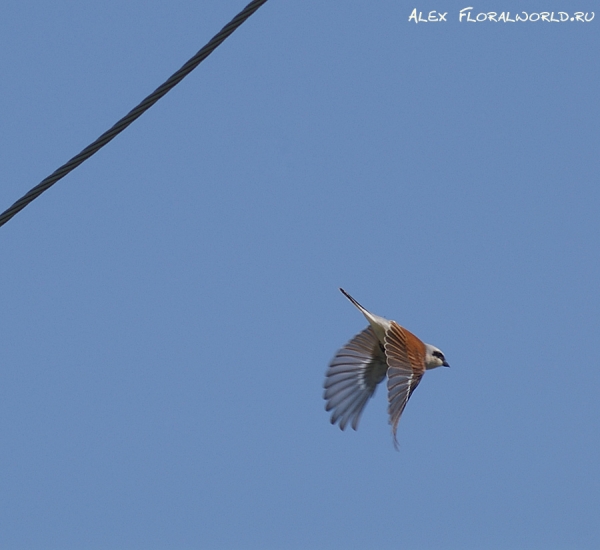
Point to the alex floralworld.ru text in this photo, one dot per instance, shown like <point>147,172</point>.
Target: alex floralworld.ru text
<point>468,15</point>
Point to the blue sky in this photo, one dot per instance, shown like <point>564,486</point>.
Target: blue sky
<point>169,308</point>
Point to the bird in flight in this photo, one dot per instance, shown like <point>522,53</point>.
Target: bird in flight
<point>383,349</point>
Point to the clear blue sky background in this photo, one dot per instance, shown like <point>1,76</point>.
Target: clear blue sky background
<point>168,310</point>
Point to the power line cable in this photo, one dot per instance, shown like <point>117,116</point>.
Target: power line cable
<point>134,114</point>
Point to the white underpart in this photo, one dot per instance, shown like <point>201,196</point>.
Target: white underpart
<point>380,324</point>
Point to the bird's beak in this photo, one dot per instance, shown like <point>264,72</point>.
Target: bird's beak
<point>445,364</point>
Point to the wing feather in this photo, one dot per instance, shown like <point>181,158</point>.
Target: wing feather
<point>405,355</point>
<point>352,377</point>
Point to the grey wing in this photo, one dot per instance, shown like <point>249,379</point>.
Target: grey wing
<point>404,375</point>
<point>352,377</point>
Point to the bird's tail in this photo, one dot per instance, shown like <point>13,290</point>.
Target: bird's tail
<point>380,324</point>
<point>362,309</point>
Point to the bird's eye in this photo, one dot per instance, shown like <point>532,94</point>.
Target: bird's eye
<point>438,354</point>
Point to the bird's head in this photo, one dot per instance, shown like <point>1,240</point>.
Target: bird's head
<point>434,357</point>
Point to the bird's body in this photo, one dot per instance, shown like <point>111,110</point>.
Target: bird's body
<point>383,349</point>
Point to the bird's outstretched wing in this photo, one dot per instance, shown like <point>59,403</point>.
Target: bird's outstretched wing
<point>406,359</point>
<point>352,377</point>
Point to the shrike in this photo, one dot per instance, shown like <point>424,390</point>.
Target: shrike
<point>383,349</point>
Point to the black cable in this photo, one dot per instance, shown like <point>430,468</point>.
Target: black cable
<point>135,113</point>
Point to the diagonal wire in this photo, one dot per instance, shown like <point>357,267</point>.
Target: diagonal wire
<point>134,114</point>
